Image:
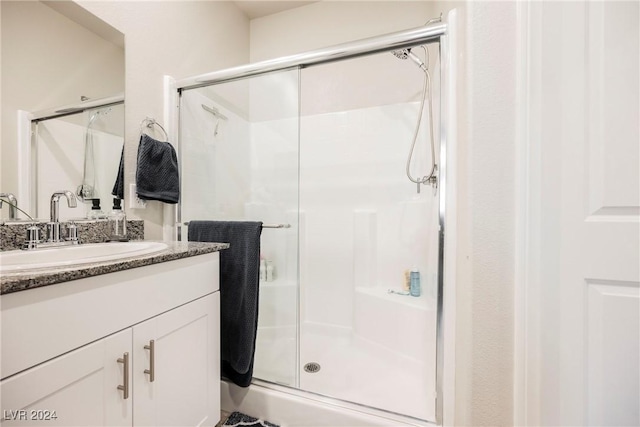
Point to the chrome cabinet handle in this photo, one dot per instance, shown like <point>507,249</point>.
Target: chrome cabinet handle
<point>125,388</point>
<point>152,358</point>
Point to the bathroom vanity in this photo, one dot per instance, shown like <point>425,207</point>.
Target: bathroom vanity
<point>128,342</point>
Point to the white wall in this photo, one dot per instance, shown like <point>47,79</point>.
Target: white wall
<point>175,38</point>
<point>486,215</point>
<point>48,61</point>
<point>327,23</point>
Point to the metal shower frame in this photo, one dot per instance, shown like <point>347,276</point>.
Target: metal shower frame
<point>430,33</point>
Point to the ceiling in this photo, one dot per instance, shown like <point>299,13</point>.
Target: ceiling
<point>259,8</point>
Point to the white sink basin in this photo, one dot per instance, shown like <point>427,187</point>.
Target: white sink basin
<point>21,261</point>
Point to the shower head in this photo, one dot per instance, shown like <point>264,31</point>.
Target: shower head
<point>401,54</point>
<point>97,113</point>
<point>407,54</point>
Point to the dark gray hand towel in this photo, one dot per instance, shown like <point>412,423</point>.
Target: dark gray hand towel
<point>239,275</point>
<point>118,186</point>
<point>157,173</point>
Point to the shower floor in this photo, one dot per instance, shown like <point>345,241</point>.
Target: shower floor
<point>351,369</point>
<point>385,361</point>
<point>363,372</point>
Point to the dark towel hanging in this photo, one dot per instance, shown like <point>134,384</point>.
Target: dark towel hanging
<point>239,275</point>
<point>157,175</point>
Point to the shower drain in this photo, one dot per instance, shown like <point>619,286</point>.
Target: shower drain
<point>312,367</point>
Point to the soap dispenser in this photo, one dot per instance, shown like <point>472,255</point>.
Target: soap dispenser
<point>118,222</point>
<point>96,212</point>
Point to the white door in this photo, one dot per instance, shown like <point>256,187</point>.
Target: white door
<point>582,298</point>
<point>77,389</point>
<point>185,390</point>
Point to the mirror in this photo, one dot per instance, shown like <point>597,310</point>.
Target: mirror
<point>57,55</point>
<point>82,151</point>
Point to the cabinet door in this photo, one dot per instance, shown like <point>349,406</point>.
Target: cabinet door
<point>186,366</point>
<point>79,388</point>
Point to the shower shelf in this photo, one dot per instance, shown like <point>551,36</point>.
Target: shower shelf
<point>277,283</point>
<point>423,302</point>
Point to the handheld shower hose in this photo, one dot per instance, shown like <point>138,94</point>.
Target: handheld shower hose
<point>431,177</point>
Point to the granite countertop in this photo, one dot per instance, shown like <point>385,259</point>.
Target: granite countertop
<point>15,282</point>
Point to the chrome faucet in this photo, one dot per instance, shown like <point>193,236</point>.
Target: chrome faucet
<point>13,203</point>
<point>53,226</point>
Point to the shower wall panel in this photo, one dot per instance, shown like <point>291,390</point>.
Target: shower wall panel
<point>366,226</point>
<point>352,171</point>
<point>214,184</point>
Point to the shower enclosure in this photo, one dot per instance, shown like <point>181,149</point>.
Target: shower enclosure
<point>320,152</point>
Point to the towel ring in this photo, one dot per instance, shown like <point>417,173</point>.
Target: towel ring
<point>149,122</point>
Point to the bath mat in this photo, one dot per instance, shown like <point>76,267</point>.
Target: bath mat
<point>238,419</point>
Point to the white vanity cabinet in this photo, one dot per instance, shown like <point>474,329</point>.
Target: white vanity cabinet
<point>186,384</point>
<point>75,389</point>
<point>71,351</point>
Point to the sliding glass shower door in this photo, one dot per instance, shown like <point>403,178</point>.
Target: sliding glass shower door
<point>326,152</point>
<point>365,229</point>
<point>239,161</point>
